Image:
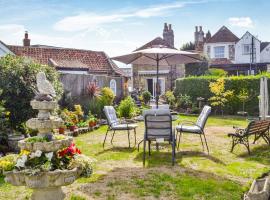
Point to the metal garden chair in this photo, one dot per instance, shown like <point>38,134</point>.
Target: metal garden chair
<point>158,126</point>
<point>114,124</point>
<point>195,128</point>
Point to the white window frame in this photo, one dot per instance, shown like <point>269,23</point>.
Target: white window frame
<point>219,52</point>
<point>244,49</point>
<point>113,86</point>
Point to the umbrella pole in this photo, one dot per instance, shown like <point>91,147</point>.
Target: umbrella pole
<point>157,88</point>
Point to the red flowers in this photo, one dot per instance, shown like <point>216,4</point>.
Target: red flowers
<point>69,151</point>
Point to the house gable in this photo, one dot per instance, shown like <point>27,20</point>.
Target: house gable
<point>223,35</point>
<point>4,49</point>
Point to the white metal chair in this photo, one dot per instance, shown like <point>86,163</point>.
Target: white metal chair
<point>195,128</point>
<point>114,124</point>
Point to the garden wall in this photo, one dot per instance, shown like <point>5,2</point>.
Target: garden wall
<point>199,87</point>
<point>75,86</point>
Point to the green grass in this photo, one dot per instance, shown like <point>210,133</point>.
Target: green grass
<point>118,171</point>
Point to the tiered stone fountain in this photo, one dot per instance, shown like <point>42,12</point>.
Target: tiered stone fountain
<point>45,185</point>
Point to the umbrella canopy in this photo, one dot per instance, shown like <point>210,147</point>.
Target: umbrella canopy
<point>159,56</point>
<point>263,102</point>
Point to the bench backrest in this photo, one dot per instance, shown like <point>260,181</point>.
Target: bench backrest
<point>256,127</point>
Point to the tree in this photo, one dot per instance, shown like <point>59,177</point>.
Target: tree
<point>221,96</point>
<point>188,46</point>
<point>243,96</point>
<point>18,82</point>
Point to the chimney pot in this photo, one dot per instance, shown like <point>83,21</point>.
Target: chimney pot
<point>26,40</point>
<point>200,28</point>
<point>196,28</point>
<point>170,27</point>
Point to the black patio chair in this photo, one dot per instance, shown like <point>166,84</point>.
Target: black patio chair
<point>158,126</point>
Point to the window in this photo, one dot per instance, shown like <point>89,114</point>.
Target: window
<point>113,86</point>
<point>219,51</point>
<point>246,49</point>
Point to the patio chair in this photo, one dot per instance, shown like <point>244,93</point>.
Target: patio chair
<point>114,124</point>
<point>158,126</point>
<point>195,128</point>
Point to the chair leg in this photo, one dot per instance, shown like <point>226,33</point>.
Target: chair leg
<point>206,143</point>
<point>179,139</point>
<point>139,144</point>
<point>135,136</point>
<point>173,151</point>
<point>128,139</point>
<point>144,144</point>
<point>149,147</point>
<point>105,138</point>
<point>202,142</point>
<point>112,136</point>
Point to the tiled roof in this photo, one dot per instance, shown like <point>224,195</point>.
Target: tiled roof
<point>223,35</point>
<point>263,45</point>
<point>220,61</point>
<point>154,42</point>
<point>67,58</point>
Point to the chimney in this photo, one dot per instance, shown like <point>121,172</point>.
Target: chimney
<point>165,27</point>
<point>196,29</point>
<point>170,27</point>
<point>200,28</point>
<point>26,40</point>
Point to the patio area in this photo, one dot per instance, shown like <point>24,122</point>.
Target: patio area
<point>119,173</point>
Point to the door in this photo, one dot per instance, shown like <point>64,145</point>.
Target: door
<point>150,86</point>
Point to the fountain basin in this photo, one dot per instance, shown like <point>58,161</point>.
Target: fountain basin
<point>50,179</point>
<point>46,124</point>
<point>51,146</point>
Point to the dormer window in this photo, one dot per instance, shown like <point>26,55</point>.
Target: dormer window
<point>219,51</point>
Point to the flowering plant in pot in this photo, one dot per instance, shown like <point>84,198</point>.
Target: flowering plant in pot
<point>62,129</point>
<point>92,120</point>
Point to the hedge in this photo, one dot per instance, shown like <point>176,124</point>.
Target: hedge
<point>199,87</point>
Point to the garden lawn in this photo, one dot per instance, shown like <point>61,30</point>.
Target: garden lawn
<point>118,171</point>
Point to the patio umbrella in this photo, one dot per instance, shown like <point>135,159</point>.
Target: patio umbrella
<point>160,56</point>
<point>263,101</point>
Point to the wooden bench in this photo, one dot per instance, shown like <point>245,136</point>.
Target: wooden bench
<point>260,129</point>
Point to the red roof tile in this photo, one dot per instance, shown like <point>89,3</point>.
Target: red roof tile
<point>220,61</point>
<point>223,35</point>
<point>94,61</point>
<point>154,42</point>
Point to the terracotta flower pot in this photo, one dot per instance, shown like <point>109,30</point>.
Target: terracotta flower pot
<point>92,124</point>
<point>61,130</point>
<point>72,128</point>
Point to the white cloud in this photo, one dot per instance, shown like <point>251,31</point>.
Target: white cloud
<point>244,22</point>
<point>86,21</point>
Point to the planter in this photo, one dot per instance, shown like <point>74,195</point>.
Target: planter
<point>72,128</point>
<point>259,190</point>
<point>61,130</point>
<point>13,142</point>
<point>92,124</point>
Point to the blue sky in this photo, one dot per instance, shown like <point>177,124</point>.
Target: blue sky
<point>119,26</point>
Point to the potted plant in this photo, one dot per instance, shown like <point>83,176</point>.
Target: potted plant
<point>70,125</point>
<point>61,130</point>
<point>92,122</point>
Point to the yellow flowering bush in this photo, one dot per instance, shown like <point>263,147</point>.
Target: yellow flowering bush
<point>7,163</point>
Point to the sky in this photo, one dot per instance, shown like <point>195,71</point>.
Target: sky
<point>120,26</point>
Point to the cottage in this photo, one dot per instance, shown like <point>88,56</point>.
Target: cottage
<point>77,67</point>
<point>144,76</point>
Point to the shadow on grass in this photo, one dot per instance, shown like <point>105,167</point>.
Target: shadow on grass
<point>159,182</point>
<point>116,149</point>
<point>259,154</point>
<point>165,158</point>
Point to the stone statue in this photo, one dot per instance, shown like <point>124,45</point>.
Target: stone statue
<point>45,91</point>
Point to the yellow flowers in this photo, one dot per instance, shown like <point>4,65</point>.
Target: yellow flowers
<point>24,152</point>
<point>7,114</point>
<point>7,163</point>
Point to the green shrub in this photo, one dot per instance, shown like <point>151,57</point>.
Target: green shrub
<point>96,107</point>
<point>216,72</point>
<point>146,96</point>
<point>127,108</point>
<point>18,82</point>
<point>184,101</point>
<point>170,98</point>
<point>199,87</point>
<point>107,96</point>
